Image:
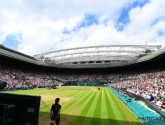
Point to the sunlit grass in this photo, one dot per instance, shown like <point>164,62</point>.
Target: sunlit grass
<point>83,106</point>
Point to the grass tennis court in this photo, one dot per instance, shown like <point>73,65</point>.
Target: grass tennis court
<point>84,106</point>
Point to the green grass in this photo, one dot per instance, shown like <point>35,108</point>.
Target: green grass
<point>84,106</point>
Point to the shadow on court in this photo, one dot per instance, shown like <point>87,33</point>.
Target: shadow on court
<point>44,119</point>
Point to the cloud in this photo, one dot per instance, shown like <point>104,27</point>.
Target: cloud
<point>141,22</point>
<point>51,25</point>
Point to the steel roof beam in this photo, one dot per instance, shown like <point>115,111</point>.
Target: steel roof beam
<point>106,46</point>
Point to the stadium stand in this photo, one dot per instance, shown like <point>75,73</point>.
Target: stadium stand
<point>146,115</point>
<point>149,85</point>
<point>145,79</point>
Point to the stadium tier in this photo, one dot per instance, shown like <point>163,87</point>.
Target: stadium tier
<point>97,85</point>
<point>90,57</point>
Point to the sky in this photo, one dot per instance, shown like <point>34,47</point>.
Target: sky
<point>33,26</point>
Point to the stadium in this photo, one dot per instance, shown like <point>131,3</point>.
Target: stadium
<point>97,85</point>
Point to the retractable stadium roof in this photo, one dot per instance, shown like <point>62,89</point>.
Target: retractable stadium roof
<point>97,56</point>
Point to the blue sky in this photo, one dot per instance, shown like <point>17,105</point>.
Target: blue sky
<point>89,20</point>
<point>52,25</point>
<point>11,42</point>
<point>123,18</point>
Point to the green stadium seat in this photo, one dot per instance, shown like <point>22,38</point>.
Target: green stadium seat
<point>144,112</point>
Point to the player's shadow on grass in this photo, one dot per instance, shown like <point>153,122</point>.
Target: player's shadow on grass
<point>44,119</point>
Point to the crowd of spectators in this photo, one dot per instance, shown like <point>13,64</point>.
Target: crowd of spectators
<point>20,77</point>
<point>149,85</point>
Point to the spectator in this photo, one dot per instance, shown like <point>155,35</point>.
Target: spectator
<point>151,98</point>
